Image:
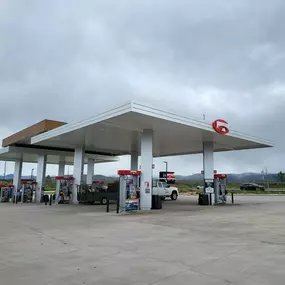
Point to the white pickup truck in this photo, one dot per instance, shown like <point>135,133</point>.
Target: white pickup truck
<point>164,190</point>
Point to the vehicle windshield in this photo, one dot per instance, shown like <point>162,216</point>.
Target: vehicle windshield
<point>164,185</point>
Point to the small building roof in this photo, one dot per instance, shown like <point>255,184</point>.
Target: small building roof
<point>30,155</point>
<point>117,132</point>
<point>24,136</point>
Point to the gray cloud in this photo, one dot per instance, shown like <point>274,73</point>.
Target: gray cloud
<point>67,60</point>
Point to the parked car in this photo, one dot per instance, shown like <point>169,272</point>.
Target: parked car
<point>97,193</point>
<point>164,190</point>
<point>251,186</point>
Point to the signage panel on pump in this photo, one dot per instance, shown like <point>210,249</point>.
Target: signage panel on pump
<point>129,172</point>
<point>209,190</point>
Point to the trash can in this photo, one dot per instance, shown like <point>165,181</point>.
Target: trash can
<point>159,203</point>
<point>156,202</point>
<point>153,201</point>
<point>46,199</point>
<point>203,199</point>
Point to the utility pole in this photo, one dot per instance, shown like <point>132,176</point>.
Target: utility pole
<point>266,173</point>
<point>166,169</point>
<point>5,170</point>
<point>262,175</point>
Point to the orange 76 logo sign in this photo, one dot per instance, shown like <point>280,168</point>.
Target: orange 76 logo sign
<point>221,127</point>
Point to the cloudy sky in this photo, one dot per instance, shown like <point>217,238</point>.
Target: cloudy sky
<point>67,60</point>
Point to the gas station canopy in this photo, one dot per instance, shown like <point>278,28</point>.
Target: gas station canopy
<point>117,132</point>
<point>133,129</point>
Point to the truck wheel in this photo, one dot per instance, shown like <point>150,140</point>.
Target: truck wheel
<point>174,196</point>
<point>104,201</point>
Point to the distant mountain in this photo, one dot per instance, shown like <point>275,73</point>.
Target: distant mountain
<point>98,177</point>
<point>233,178</point>
<point>193,178</point>
<point>11,176</point>
<point>8,176</point>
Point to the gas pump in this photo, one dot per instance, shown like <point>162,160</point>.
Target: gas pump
<point>215,191</point>
<point>63,195</point>
<point>129,189</point>
<point>220,188</point>
<point>27,191</point>
<point>5,190</point>
<point>210,192</point>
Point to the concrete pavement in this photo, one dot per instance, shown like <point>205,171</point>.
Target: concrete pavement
<point>183,244</point>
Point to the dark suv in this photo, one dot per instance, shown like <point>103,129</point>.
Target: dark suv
<point>251,186</point>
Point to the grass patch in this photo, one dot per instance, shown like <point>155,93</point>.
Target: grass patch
<point>192,190</point>
<point>257,192</point>
<point>49,192</point>
<point>49,188</point>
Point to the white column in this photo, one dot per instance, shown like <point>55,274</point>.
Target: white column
<point>122,190</point>
<point>41,175</point>
<point>134,160</point>
<point>208,160</point>
<point>134,165</point>
<point>61,169</point>
<point>78,171</point>
<point>146,168</point>
<point>90,170</point>
<point>17,174</point>
<point>208,165</point>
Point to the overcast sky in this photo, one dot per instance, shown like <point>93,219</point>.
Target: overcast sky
<point>67,60</point>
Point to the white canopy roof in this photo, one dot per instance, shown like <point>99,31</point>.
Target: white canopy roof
<point>117,132</point>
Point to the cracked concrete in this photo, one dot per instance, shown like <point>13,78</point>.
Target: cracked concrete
<point>183,244</point>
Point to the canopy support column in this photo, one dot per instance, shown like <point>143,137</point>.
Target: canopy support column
<point>77,171</point>
<point>134,160</point>
<point>61,170</point>
<point>146,168</point>
<point>17,175</point>
<point>208,167</point>
<point>90,170</point>
<point>41,175</point>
